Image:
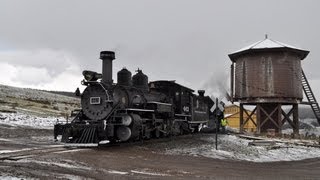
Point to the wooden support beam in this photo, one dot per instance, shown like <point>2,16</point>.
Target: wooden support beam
<point>258,119</point>
<point>269,116</point>
<point>279,118</point>
<point>241,118</point>
<point>286,117</point>
<point>295,119</point>
<point>249,116</point>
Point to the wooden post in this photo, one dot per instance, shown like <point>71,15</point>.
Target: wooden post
<point>258,119</point>
<point>279,119</point>
<point>232,81</point>
<point>295,119</point>
<point>241,118</point>
<point>217,123</point>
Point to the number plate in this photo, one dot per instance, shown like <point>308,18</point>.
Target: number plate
<point>95,100</point>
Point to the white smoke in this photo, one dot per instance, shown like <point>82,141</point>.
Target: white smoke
<point>217,86</point>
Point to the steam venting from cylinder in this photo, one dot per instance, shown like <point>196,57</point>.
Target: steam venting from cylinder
<point>107,57</point>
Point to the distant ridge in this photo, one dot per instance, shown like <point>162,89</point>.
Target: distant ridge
<point>37,102</point>
<point>64,93</point>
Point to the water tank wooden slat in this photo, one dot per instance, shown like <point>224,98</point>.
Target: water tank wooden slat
<point>275,74</point>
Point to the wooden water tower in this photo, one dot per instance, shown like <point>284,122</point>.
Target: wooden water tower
<point>267,75</point>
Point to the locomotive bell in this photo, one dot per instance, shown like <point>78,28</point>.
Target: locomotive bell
<point>107,57</point>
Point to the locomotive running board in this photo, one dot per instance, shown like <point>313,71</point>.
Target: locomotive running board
<point>143,110</point>
<point>197,122</point>
<point>183,115</point>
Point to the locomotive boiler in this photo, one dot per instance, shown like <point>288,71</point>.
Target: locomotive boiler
<point>133,108</point>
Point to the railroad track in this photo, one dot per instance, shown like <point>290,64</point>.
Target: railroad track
<point>32,152</point>
<point>151,141</point>
<point>41,151</point>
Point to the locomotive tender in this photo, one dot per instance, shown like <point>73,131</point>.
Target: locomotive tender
<point>133,109</point>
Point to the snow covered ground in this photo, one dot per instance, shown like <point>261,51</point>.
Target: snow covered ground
<point>230,146</point>
<point>235,148</point>
<point>5,177</point>
<point>19,119</point>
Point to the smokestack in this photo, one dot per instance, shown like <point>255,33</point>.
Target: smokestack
<point>107,57</point>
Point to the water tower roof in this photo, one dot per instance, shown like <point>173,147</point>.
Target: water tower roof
<point>268,44</point>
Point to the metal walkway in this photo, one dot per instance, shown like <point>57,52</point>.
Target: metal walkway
<point>310,96</point>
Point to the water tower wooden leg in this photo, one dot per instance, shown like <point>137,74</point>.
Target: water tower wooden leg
<point>258,118</point>
<point>295,119</point>
<point>241,118</point>
<point>279,118</point>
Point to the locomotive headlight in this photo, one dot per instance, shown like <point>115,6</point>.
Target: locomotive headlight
<point>91,75</point>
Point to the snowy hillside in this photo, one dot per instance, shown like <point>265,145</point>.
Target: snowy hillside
<point>34,108</point>
<point>35,102</point>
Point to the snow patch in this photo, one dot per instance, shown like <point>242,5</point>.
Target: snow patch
<point>69,176</point>
<point>12,178</point>
<point>233,147</point>
<point>19,119</point>
<point>149,173</point>
<point>6,140</point>
<point>67,151</point>
<point>63,165</point>
<point>265,44</point>
<point>16,150</point>
<point>117,172</point>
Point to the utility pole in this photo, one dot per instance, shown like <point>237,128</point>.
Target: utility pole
<point>216,117</point>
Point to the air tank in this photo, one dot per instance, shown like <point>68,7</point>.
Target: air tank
<point>140,80</point>
<point>124,77</point>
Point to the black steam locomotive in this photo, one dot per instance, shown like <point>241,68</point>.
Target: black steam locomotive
<point>133,109</point>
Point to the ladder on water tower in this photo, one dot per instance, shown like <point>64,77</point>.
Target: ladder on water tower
<point>310,96</point>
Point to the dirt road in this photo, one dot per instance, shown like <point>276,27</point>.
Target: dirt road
<point>31,153</point>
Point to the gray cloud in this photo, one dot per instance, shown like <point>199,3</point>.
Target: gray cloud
<point>184,40</point>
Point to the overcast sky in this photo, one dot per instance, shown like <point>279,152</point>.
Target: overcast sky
<point>46,44</point>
